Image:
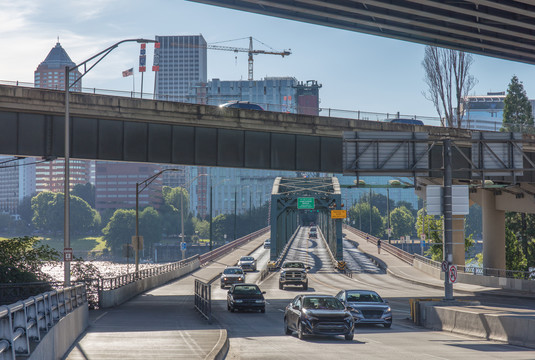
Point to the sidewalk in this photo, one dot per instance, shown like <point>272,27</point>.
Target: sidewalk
<point>161,323</point>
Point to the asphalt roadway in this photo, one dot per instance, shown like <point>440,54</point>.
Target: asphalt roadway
<point>161,323</point>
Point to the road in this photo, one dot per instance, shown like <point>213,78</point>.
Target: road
<point>261,336</point>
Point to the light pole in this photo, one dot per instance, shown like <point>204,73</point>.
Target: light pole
<point>182,212</point>
<point>66,191</point>
<point>211,195</point>
<point>145,183</point>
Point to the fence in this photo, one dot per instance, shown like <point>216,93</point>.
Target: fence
<point>21,323</point>
<point>203,299</point>
<point>402,255</point>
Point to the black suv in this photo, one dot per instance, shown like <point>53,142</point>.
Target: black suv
<point>293,273</point>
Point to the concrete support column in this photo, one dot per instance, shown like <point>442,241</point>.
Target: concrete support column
<point>458,240</point>
<point>493,232</point>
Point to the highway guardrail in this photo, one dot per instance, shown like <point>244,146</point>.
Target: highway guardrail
<point>203,299</point>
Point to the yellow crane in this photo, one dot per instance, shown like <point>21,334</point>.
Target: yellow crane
<point>250,51</point>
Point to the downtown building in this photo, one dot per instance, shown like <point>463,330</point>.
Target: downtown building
<point>17,177</point>
<point>50,74</point>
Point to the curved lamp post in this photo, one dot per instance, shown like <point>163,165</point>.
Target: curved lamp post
<point>145,183</point>
<point>66,227</point>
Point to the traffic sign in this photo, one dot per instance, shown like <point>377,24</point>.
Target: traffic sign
<point>305,203</point>
<point>452,273</point>
<point>444,266</point>
<point>67,254</point>
<point>183,246</point>
<point>338,214</point>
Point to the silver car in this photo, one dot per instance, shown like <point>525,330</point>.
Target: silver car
<point>247,263</point>
<point>367,307</point>
<point>232,275</point>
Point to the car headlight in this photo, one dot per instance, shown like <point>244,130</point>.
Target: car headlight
<point>240,279</point>
<point>225,279</point>
<point>259,301</point>
<point>238,301</point>
<point>388,309</point>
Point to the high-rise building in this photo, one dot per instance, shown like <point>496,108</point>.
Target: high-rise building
<point>50,74</point>
<point>49,176</point>
<point>280,94</point>
<point>115,186</point>
<point>183,65</point>
<point>18,181</point>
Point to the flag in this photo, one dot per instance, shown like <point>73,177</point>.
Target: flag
<point>128,72</point>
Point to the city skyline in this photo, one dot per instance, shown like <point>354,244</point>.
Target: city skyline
<point>358,72</point>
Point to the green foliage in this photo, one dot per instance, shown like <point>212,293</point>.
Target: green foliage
<point>202,228</point>
<point>516,108</point>
<point>474,221</point>
<point>85,192</point>
<point>378,201</point>
<point>150,226</point>
<point>402,222</point>
<point>514,256</point>
<point>21,259</point>
<point>170,211</point>
<point>432,228</point>
<point>120,229</point>
<point>360,213</point>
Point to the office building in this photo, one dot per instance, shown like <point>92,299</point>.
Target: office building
<point>183,65</point>
<point>18,181</point>
<point>115,186</point>
<point>50,73</point>
<point>49,176</point>
<point>484,112</point>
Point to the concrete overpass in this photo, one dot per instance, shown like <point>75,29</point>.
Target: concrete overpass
<point>136,130</point>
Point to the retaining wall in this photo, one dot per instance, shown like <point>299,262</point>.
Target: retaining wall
<point>62,335</point>
<point>111,298</point>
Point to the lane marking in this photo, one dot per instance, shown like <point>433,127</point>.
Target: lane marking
<point>100,317</point>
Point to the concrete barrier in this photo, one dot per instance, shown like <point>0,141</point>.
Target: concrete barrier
<point>61,336</point>
<point>111,298</point>
<point>469,319</point>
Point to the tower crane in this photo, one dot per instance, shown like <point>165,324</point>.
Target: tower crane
<point>250,51</point>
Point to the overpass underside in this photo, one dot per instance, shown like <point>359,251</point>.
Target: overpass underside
<point>291,197</point>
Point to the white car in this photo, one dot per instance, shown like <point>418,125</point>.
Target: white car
<point>267,244</point>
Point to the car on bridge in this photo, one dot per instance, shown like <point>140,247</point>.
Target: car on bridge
<point>293,273</point>
<point>267,244</point>
<point>246,297</point>
<point>242,105</point>
<point>318,315</point>
<point>247,263</point>
<point>367,307</point>
<point>232,275</point>
<point>405,121</point>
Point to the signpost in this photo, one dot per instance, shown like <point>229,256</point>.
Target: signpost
<point>452,274</point>
<point>305,203</point>
<point>338,214</point>
<point>183,249</point>
<point>67,254</point>
<point>444,266</point>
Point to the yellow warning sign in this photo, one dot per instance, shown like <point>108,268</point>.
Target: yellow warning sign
<point>338,214</point>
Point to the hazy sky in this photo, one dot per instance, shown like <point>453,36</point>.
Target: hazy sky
<point>357,71</point>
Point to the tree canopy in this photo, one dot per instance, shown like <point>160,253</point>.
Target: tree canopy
<point>517,115</point>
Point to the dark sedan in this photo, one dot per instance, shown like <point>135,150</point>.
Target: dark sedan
<point>245,297</point>
<point>318,315</point>
<point>367,307</point>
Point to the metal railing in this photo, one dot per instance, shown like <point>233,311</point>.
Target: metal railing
<point>125,279</point>
<point>478,270</point>
<point>225,249</point>
<point>468,123</point>
<point>203,299</point>
<point>338,265</point>
<point>21,323</point>
<point>400,254</point>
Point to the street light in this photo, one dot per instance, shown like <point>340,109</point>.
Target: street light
<point>211,195</point>
<point>145,184</point>
<point>66,224</point>
<point>182,211</point>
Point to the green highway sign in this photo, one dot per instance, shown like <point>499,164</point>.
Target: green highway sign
<point>305,203</point>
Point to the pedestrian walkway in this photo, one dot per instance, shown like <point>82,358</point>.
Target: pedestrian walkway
<point>160,323</point>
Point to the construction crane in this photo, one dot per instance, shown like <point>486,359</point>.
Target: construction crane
<point>250,51</point>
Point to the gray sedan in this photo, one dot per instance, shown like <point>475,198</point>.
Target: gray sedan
<point>367,307</point>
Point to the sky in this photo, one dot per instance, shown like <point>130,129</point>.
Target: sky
<point>357,71</point>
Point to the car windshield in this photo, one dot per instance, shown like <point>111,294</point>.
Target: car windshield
<point>363,297</point>
<point>294,265</point>
<point>247,290</point>
<point>233,271</point>
<point>322,303</point>
<point>247,258</point>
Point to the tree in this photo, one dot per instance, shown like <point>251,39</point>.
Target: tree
<point>514,256</point>
<point>202,228</point>
<point>360,213</point>
<point>474,222</point>
<point>447,75</point>
<point>86,192</point>
<point>402,222</point>
<point>516,108</point>
<point>120,229</point>
<point>25,210</point>
<point>150,226</point>
<point>432,228</point>
<point>21,260</point>
<point>378,200</point>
